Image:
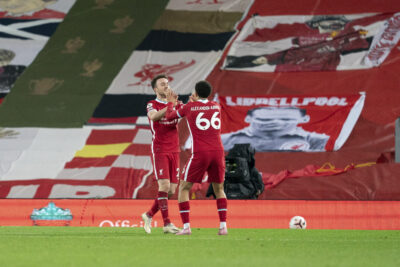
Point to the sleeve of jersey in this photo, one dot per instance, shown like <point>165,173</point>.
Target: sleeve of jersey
<point>174,114</point>
<point>150,107</point>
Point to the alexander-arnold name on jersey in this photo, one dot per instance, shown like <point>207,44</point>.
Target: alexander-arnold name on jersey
<point>204,108</point>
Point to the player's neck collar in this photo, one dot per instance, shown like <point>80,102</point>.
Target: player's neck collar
<point>161,101</point>
<point>204,100</point>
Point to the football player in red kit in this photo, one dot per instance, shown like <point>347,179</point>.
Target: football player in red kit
<point>204,121</point>
<point>165,154</point>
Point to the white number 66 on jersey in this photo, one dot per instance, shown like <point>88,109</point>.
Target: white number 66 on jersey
<point>204,124</point>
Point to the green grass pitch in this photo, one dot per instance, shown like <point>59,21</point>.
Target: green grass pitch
<point>90,246</point>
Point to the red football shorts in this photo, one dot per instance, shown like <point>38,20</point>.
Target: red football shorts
<point>212,162</point>
<point>166,166</point>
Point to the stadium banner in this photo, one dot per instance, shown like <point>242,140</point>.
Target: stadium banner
<point>312,43</point>
<point>19,9</point>
<point>14,58</point>
<point>12,144</point>
<point>210,5</point>
<point>308,123</point>
<point>15,52</point>
<point>25,28</point>
<point>197,22</point>
<point>362,215</point>
<point>33,153</point>
<point>185,43</point>
<point>384,41</point>
<point>183,69</point>
<point>125,99</point>
<point>103,162</point>
<point>172,41</point>
<point>124,109</point>
<point>65,82</point>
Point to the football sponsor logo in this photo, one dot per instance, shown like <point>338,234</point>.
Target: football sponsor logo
<point>124,223</point>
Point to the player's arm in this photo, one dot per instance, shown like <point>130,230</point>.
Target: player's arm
<point>156,115</point>
<point>171,112</point>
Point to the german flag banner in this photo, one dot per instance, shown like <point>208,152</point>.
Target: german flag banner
<point>289,122</point>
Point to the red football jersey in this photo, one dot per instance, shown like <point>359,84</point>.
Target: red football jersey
<point>165,132</point>
<point>204,121</point>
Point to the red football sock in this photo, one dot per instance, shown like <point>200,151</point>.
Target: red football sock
<point>162,198</point>
<point>153,209</point>
<point>222,205</point>
<point>184,209</point>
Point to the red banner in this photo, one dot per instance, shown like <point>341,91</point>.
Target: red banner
<point>289,122</point>
<point>313,42</point>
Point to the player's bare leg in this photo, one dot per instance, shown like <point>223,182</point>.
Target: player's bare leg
<point>184,207</point>
<point>222,206</point>
<point>172,189</point>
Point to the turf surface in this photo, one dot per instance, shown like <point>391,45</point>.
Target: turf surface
<point>89,246</point>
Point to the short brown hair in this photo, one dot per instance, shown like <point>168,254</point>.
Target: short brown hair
<point>155,79</point>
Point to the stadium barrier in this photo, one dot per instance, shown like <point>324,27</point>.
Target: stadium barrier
<point>365,215</point>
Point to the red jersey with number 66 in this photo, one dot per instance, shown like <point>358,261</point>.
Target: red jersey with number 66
<point>204,121</point>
